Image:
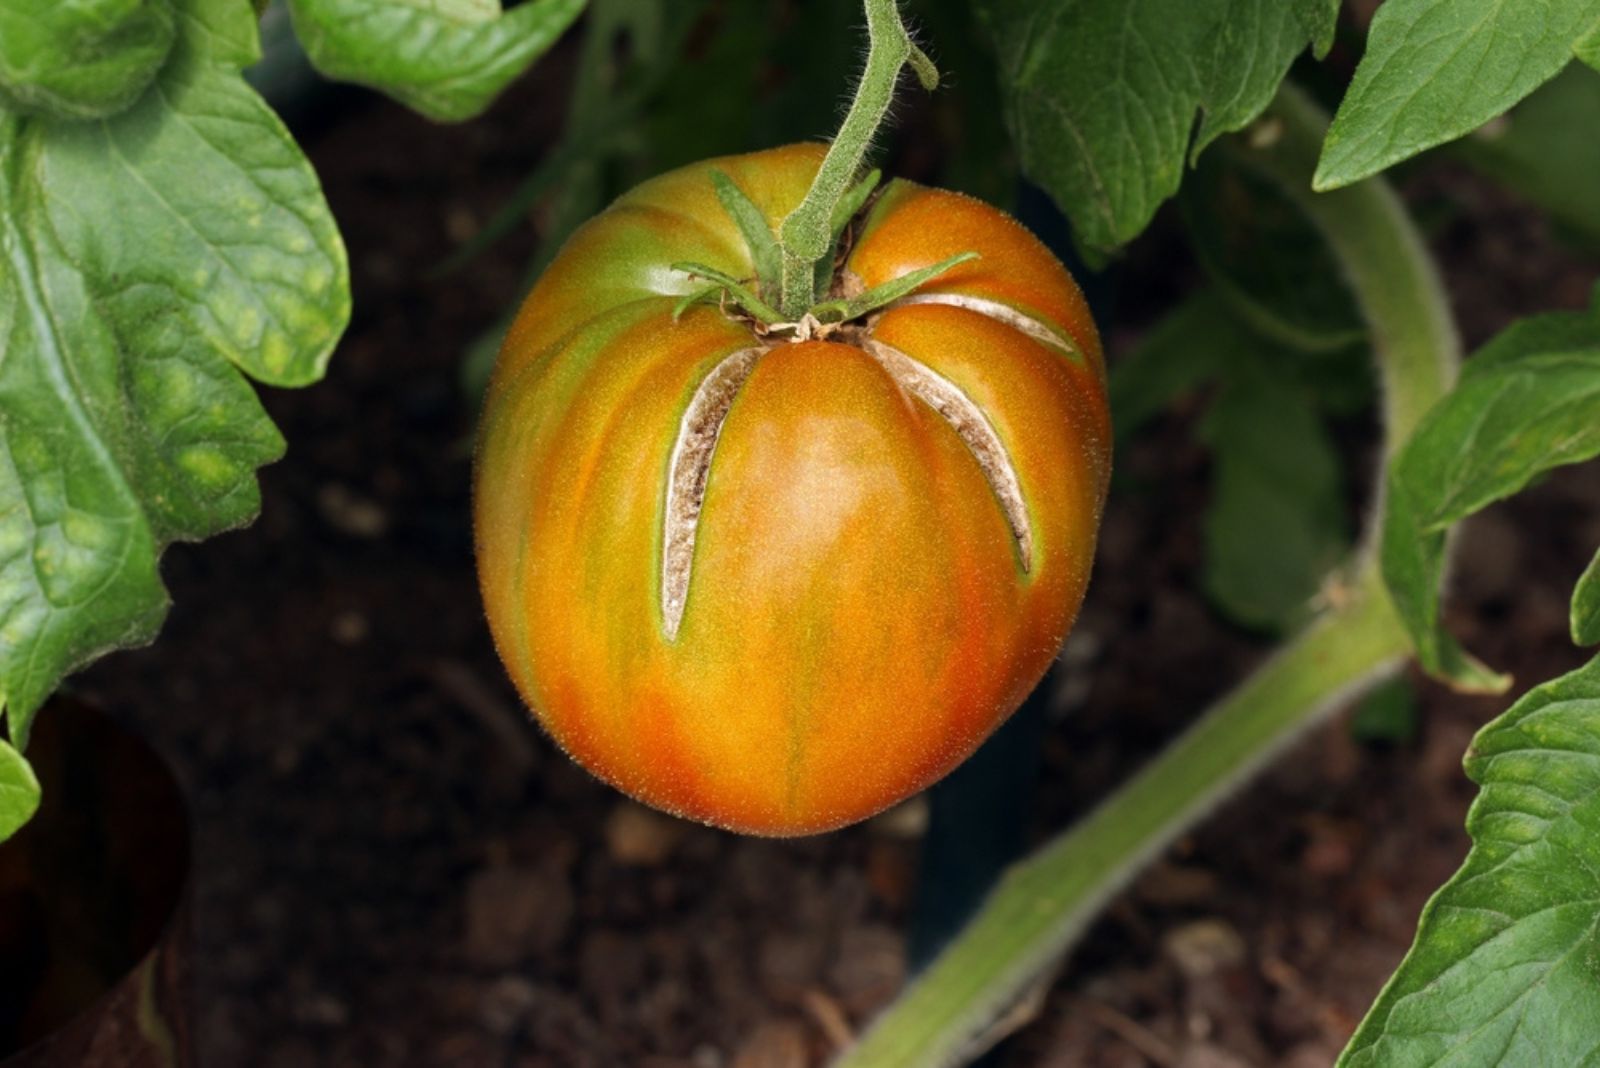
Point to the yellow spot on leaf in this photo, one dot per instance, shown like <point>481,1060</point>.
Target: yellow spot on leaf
<point>207,466</point>
<point>275,354</point>
<point>247,326</point>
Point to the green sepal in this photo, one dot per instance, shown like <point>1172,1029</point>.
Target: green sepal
<point>853,200</point>
<point>842,311</point>
<point>856,196</point>
<point>758,236</point>
<point>699,296</point>
<point>742,294</point>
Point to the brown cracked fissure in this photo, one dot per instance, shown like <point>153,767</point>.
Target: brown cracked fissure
<point>1002,313</point>
<point>707,412</point>
<point>974,429</point>
<point>687,473</point>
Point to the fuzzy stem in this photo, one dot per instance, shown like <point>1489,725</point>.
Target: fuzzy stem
<point>1044,903</point>
<point>806,235</point>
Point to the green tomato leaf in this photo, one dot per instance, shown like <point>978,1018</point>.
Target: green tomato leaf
<point>1318,19</point>
<point>707,106</point>
<point>1265,255</point>
<point>224,31</point>
<point>80,59</point>
<point>19,791</point>
<point>147,260</point>
<point>1102,95</point>
<point>1534,152</point>
<point>447,59</point>
<point>1182,351</point>
<point>1586,605</point>
<point>1433,72</point>
<point>1503,971</point>
<point>1277,523</point>
<point>1501,427</point>
<point>1413,567</point>
<point>1527,402</point>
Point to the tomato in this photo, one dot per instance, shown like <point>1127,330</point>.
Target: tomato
<point>777,583</point>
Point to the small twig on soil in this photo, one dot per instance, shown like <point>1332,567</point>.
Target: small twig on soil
<point>829,1017</point>
<point>509,728</point>
<point>1132,1032</point>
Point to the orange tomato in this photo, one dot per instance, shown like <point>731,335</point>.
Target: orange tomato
<point>778,585</point>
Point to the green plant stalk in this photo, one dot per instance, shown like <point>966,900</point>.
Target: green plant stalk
<point>1045,902</point>
<point>1401,295</point>
<point>806,235</point>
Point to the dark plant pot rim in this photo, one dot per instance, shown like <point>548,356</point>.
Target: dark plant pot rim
<point>102,776</point>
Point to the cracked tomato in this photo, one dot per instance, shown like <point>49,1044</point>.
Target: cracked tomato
<point>777,578</point>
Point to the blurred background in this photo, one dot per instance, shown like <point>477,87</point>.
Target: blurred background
<point>396,868</point>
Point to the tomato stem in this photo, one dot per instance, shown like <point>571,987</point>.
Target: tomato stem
<point>807,235</point>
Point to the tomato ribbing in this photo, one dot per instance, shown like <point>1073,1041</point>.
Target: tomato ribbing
<point>778,584</point>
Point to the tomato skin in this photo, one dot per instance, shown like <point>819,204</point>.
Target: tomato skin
<point>860,613</point>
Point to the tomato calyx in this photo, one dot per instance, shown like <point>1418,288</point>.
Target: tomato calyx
<point>838,296</point>
<point>740,300</point>
<point>795,263</point>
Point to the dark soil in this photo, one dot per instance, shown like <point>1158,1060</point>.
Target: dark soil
<point>394,867</point>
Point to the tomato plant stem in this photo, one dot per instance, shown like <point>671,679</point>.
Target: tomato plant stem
<point>1384,260</point>
<point>1043,903</point>
<point>807,234</point>
<point>1041,906</point>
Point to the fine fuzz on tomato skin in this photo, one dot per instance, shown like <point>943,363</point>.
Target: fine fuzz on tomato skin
<point>789,604</point>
